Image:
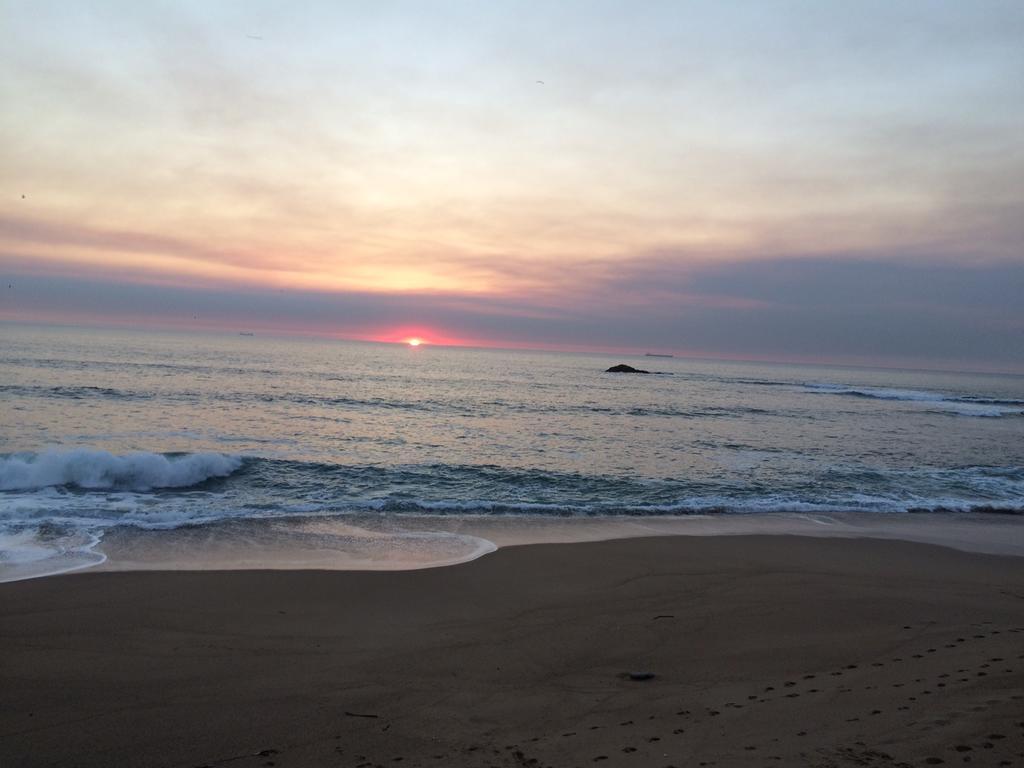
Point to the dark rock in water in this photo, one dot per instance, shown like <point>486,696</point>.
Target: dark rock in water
<point>640,675</point>
<point>623,368</point>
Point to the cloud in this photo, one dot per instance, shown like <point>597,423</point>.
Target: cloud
<point>775,179</point>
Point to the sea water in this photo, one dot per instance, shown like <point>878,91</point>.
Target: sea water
<point>229,450</point>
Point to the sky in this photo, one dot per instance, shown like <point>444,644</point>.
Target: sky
<point>817,181</point>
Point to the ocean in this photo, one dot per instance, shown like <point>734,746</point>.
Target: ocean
<point>322,453</point>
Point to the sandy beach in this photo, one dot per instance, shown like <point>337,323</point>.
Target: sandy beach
<point>764,650</point>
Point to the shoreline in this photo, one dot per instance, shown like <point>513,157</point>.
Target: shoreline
<point>370,543</point>
<point>764,649</point>
<point>355,542</point>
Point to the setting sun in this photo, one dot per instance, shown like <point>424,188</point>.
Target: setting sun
<point>414,342</point>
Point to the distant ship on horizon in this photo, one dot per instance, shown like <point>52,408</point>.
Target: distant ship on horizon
<point>246,333</point>
<point>656,354</point>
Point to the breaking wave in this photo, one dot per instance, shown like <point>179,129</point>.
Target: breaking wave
<point>100,470</point>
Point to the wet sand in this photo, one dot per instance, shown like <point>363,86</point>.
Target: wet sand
<point>764,650</point>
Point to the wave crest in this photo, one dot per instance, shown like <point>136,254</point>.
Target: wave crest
<point>962,405</point>
<point>101,470</point>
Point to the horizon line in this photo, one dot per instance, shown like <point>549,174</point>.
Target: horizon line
<point>697,356</point>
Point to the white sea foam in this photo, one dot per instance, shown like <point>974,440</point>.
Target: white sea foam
<point>29,553</point>
<point>93,469</point>
<point>981,409</point>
